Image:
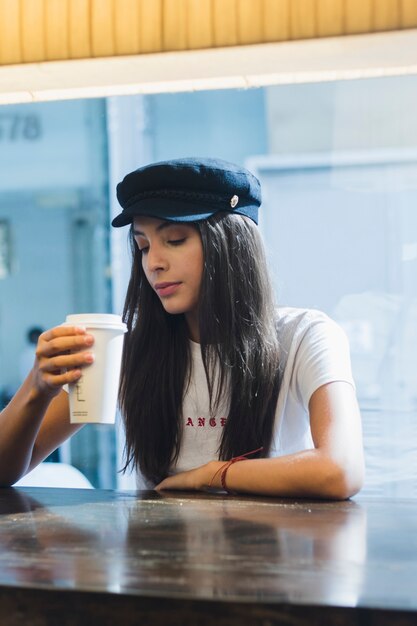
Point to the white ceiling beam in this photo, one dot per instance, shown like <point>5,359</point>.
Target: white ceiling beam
<point>309,60</point>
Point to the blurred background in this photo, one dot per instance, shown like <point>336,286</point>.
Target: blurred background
<point>337,160</point>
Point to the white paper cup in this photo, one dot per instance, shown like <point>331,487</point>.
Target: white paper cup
<point>93,398</point>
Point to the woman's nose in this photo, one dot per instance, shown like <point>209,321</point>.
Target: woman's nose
<point>156,260</point>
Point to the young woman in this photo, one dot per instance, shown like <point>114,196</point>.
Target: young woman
<point>212,372</point>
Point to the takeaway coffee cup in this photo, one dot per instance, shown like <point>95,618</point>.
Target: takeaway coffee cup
<point>93,398</point>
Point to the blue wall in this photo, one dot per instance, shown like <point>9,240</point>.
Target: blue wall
<point>228,124</point>
<point>53,199</point>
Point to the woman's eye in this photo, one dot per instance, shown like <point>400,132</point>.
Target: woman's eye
<point>144,249</point>
<point>177,242</point>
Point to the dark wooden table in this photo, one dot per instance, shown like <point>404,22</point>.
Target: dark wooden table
<point>70,556</point>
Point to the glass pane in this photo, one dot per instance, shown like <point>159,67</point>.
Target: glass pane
<point>54,201</point>
<point>337,162</point>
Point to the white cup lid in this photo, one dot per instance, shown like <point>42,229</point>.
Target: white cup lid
<point>96,320</point>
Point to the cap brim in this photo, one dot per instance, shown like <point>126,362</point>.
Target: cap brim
<point>177,211</point>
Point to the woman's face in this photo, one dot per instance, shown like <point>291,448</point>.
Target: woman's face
<point>172,259</point>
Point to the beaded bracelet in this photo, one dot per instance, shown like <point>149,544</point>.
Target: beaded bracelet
<point>223,469</point>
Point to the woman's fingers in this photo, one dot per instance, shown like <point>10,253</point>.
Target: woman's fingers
<point>59,379</point>
<point>194,479</point>
<point>63,339</point>
<point>61,353</point>
<point>67,361</point>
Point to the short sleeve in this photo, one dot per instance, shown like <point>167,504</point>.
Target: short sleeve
<point>323,356</point>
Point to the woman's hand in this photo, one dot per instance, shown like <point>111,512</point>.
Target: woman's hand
<point>197,479</point>
<point>60,354</point>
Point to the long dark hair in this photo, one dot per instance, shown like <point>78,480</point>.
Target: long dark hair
<point>238,340</point>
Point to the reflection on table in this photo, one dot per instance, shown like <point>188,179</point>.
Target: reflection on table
<point>184,555</point>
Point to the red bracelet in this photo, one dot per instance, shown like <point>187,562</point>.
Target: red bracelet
<point>223,469</point>
<point>223,476</point>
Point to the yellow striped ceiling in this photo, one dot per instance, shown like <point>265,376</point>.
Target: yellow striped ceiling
<point>47,30</point>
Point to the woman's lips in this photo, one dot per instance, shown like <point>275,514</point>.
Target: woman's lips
<point>166,289</point>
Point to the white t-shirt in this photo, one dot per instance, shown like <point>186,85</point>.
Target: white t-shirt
<point>314,351</point>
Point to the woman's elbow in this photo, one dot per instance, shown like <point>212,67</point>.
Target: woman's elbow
<point>10,476</point>
<point>344,480</point>
<point>8,482</point>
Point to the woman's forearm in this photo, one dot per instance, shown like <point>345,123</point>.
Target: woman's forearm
<point>20,422</point>
<point>36,420</point>
<point>311,473</point>
<point>307,474</point>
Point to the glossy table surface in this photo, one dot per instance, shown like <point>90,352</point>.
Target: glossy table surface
<point>251,552</point>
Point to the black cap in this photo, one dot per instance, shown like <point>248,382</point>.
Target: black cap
<point>188,190</point>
